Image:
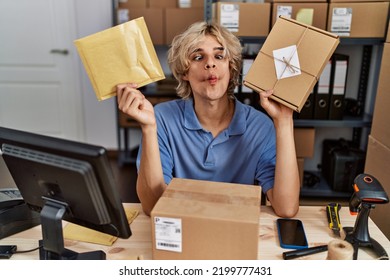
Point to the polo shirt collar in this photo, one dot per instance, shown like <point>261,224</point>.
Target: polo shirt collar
<point>236,127</point>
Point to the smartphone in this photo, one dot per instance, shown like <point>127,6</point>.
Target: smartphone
<point>291,234</point>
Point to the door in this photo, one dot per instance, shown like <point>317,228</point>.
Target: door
<point>39,81</point>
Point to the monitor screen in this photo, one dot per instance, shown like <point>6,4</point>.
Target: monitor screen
<point>64,179</point>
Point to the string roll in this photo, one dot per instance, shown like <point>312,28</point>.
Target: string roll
<point>340,250</point>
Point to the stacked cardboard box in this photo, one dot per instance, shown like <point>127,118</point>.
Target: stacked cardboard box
<point>378,150</point>
<point>164,18</point>
<point>310,12</point>
<point>304,147</point>
<point>243,19</point>
<point>358,18</point>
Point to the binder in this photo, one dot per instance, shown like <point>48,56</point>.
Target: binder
<point>339,81</point>
<point>321,95</point>
<point>247,62</point>
<point>308,109</point>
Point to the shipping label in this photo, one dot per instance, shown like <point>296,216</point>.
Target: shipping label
<point>168,233</point>
<point>341,21</point>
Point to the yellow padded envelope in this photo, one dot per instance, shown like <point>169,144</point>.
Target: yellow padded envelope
<point>120,54</point>
<point>80,233</point>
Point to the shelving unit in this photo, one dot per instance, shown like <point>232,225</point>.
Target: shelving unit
<point>357,123</point>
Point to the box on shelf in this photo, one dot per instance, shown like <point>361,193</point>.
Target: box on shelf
<point>377,165</point>
<point>290,61</point>
<point>154,19</point>
<point>388,33</point>
<point>190,3</point>
<point>163,3</point>
<point>354,1</point>
<point>243,19</point>
<point>129,4</point>
<point>380,123</point>
<point>295,1</point>
<point>203,220</point>
<point>314,14</point>
<point>301,167</point>
<point>358,20</point>
<point>177,20</point>
<point>304,142</point>
<point>176,4</point>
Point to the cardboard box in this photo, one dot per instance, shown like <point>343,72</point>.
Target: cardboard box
<point>350,19</point>
<point>314,14</point>
<point>243,19</point>
<point>190,3</point>
<point>177,20</point>
<point>380,128</point>
<point>388,33</point>
<point>206,221</point>
<point>304,142</point>
<point>154,19</point>
<point>163,3</point>
<point>301,167</point>
<point>129,4</point>
<point>377,165</point>
<point>290,61</point>
<point>295,1</point>
<point>354,1</point>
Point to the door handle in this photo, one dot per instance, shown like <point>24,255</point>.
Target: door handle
<point>58,51</point>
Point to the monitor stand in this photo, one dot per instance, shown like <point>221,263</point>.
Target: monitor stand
<point>51,247</point>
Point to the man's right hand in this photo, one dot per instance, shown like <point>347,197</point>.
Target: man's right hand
<point>133,103</point>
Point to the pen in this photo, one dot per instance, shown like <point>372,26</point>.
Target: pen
<point>304,252</point>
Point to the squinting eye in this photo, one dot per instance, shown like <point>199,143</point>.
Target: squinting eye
<point>219,56</point>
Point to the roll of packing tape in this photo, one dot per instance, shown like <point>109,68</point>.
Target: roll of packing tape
<point>340,250</point>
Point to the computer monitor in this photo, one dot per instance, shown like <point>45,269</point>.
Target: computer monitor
<point>64,180</point>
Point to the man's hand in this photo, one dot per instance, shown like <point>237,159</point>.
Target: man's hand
<point>133,103</point>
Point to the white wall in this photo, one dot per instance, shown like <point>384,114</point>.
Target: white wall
<point>99,116</point>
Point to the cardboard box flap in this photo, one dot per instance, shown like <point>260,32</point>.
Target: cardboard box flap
<point>208,191</point>
<point>310,46</point>
<point>232,213</point>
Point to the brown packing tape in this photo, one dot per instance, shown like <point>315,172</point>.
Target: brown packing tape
<point>214,198</point>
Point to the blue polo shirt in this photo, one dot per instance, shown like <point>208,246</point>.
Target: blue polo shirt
<point>244,153</point>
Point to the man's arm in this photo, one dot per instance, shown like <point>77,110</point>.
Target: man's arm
<point>284,196</point>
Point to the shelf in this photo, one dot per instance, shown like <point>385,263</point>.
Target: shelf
<point>322,189</point>
<point>347,121</point>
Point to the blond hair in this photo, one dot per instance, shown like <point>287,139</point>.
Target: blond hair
<point>184,43</point>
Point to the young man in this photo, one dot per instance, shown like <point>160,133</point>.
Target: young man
<point>208,134</point>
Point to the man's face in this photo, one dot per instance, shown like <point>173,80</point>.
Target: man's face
<point>208,73</point>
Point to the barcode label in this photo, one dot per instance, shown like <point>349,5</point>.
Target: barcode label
<point>168,234</point>
<point>230,16</point>
<point>341,21</point>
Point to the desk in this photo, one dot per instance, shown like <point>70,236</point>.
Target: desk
<point>140,244</point>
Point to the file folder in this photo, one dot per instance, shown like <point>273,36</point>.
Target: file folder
<point>339,80</point>
<point>321,96</point>
<point>308,109</point>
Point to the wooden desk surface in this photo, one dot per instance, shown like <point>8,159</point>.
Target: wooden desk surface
<point>139,245</point>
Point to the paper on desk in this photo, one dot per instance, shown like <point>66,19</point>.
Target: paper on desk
<point>121,54</point>
<point>80,233</point>
<point>286,62</point>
